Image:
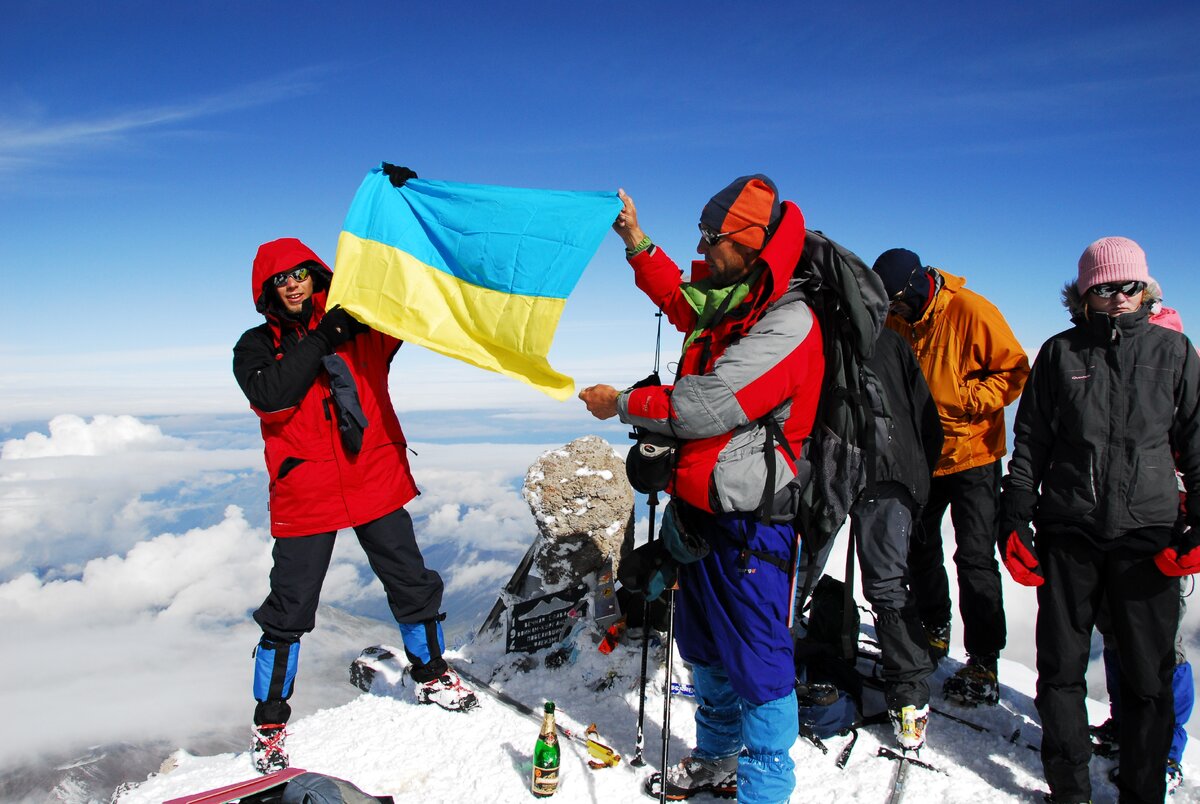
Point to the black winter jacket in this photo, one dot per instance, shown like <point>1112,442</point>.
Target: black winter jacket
<point>908,432</point>
<point>1111,408</point>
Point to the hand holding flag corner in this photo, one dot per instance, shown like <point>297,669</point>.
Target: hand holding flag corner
<point>475,272</point>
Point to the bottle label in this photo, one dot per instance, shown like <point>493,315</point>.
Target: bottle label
<point>545,780</point>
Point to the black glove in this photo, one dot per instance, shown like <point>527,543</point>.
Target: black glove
<point>338,326</point>
<point>649,570</point>
<point>1017,507</point>
<point>398,174</point>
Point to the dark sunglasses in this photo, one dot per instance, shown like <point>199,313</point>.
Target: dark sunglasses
<point>1110,289</point>
<point>712,238</point>
<point>298,274</point>
<point>902,292</point>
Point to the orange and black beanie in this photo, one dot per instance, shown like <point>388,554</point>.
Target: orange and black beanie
<point>746,210</point>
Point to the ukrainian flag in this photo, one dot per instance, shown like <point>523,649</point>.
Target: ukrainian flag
<point>480,273</point>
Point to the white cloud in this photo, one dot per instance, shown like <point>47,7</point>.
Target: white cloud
<point>205,576</point>
<point>64,509</point>
<point>103,435</point>
<point>490,573</point>
<point>155,643</point>
<point>21,139</point>
<point>140,644</point>
<point>469,496</point>
<point>135,632</point>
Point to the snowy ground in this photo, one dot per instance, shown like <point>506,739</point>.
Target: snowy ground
<point>386,744</point>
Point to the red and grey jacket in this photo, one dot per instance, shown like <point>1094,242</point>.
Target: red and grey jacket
<point>315,484</point>
<point>762,359</point>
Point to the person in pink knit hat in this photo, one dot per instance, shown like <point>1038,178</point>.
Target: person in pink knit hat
<point>1112,405</point>
<point>1105,737</point>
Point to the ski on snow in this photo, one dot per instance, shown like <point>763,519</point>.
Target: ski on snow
<point>903,760</point>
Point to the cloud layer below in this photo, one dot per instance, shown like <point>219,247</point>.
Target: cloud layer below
<point>132,557</point>
<point>130,565</point>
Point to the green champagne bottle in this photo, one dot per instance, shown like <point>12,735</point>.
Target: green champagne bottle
<point>545,756</point>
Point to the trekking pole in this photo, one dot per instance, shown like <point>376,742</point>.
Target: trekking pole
<point>666,724</point>
<point>652,502</point>
<point>638,760</point>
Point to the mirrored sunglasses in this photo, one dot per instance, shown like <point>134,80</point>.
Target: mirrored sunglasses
<point>1110,289</point>
<point>712,238</point>
<point>298,274</point>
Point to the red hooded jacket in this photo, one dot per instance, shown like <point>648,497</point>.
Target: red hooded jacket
<point>315,484</point>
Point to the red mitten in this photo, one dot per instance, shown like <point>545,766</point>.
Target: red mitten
<point>1020,556</point>
<point>1181,558</point>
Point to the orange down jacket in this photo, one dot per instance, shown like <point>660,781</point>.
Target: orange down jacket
<point>975,368</point>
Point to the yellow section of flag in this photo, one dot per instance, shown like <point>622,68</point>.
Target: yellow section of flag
<point>497,331</point>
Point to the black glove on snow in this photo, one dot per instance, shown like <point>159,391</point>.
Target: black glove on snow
<point>398,174</point>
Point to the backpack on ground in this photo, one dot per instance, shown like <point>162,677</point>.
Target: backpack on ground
<point>829,687</point>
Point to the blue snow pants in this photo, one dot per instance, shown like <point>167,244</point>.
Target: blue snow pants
<point>731,624</point>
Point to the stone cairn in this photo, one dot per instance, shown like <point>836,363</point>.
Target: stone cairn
<point>583,505</point>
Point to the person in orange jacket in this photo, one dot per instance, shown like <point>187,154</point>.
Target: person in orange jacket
<point>975,368</point>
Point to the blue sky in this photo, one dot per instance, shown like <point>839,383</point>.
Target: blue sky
<point>147,148</point>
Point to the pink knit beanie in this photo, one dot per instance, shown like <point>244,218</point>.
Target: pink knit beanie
<point>1111,259</point>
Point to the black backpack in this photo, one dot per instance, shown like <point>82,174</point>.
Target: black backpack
<point>849,301</point>
<point>837,460</point>
<point>829,687</point>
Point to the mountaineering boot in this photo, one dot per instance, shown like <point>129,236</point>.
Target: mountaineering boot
<point>267,748</point>
<point>437,683</point>
<point>974,685</point>
<point>447,691</point>
<point>1104,739</point>
<point>939,641</point>
<point>693,776</point>
<point>909,722</point>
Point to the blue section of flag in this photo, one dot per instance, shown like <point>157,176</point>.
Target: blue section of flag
<point>509,239</point>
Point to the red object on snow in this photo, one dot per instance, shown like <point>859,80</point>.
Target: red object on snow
<point>237,790</point>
